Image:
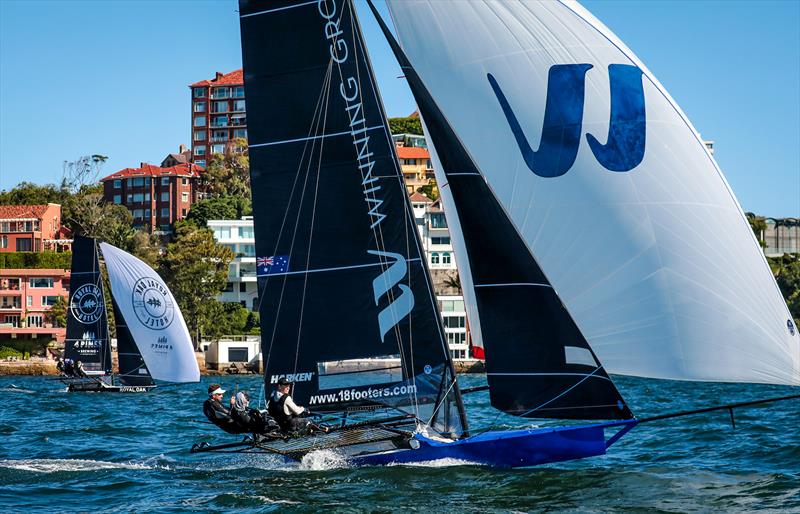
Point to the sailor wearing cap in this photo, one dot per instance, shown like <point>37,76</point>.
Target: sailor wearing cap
<point>217,413</point>
<point>283,409</point>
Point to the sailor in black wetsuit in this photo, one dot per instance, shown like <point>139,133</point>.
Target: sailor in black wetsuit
<point>252,420</point>
<point>219,414</point>
<point>290,417</point>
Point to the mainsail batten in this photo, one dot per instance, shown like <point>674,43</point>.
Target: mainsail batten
<point>352,292</point>
<point>656,263</point>
<point>538,363</point>
<point>87,324</point>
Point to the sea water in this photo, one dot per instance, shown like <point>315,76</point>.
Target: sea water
<point>93,452</point>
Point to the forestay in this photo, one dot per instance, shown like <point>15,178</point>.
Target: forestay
<point>347,308</point>
<point>608,184</point>
<point>152,317</point>
<point>87,324</point>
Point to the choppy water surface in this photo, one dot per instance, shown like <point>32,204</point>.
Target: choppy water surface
<point>105,452</point>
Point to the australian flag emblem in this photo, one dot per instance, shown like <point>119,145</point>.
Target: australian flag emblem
<point>272,265</point>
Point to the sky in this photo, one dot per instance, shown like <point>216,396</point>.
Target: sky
<point>111,77</point>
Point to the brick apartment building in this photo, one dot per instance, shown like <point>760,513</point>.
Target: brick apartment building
<point>157,197</point>
<point>218,114</point>
<point>25,297</point>
<point>32,228</point>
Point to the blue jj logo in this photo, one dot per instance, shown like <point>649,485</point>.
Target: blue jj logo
<point>563,121</point>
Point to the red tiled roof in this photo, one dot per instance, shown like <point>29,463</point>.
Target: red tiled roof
<point>419,197</point>
<point>151,170</point>
<point>412,152</point>
<point>234,78</point>
<point>414,114</point>
<point>11,212</point>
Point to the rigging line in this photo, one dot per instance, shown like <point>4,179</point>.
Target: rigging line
<point>563,392</point>
<point>321,136</point>
<point>340,268</point>
<point>444,399</point>
<point>267,11</point>
<point>324,91</point>
<point>311,230</point>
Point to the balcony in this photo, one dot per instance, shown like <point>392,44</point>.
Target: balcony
<point>219,124</point>
<point>11,305</point>
<point>220,139</point>
<point>238,121</point>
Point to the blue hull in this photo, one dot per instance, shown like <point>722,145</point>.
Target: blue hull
<point>508,448</point>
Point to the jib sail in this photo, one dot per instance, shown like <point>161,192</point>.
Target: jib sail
<point>87,324</point>
<point>132,368</point>
<point>347,307</point>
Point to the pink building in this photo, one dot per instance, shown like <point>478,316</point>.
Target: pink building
<point>25,297</point>
<point>32,228</point>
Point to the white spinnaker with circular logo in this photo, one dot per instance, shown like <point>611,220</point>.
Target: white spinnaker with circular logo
<point>657,264</point>
<point>153,317</point>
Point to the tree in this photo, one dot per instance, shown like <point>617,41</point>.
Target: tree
<point>228,173</point>
<point>410,125</point>
<point>195,268</point>
<point>453,281</point>
<point>28,193</point>
<point>787,274</point>
<point>57,315</point>
<point>431,190</point>
<point>227,318</point>
<point>219,208</point>
<point>758,224</point>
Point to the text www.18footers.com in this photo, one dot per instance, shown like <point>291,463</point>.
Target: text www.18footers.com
<point>349,395</point>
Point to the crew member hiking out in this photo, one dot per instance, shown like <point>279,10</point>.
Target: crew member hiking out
<point>218,413</point>
<point>290,417</point>
<point>252,420</point>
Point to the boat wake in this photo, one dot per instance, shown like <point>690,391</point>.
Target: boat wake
<point>438,463</point>
<point>322,460</point>
<point>69,465</point>
<point>14,389</point>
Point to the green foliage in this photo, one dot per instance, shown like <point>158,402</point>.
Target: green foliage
<point>228,173</point>
<point>758,224</point>
<point>57,315</point>
<point>431,190</point>
<point>787,273</point>
<point>219,208</point>
<point>32,260</point>
<point>6,352</point>
<point>195,268</point>
<point>410,125</point>
<point>229,318</point>
<point>28,193</point>
<point>86,214</point>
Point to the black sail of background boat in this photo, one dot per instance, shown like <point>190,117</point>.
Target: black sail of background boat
<point>347,309</point>
<point>88,340</point>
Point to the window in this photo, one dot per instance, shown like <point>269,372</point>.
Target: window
<point>147,213</point>
<point>24,245</point>
<point>200,150</point>
<point>117,184</point>
<point>165,212</point>
<point>238,105</point>
<point>237,354</point>
<point>222,233</point>
<point>13,320</point>
<point>220,92</point>
<point>138,197</point>
<point>456,338</point>
<point>438,220</point>
<point>242,287</point>
<point>35,321</point>
<point>454,321</point>
<point>130,198</point>
<point>199,135</point>
<point>238,120</point>
<point>440,240</point>
<point>147,181</point>
<point>200,163</point>
<point>217,149</point>
<point>185,181</point>
<point>147,197</point>
<point>40,282</point>
<point>219,135</point>
<point>446,258</point>
<point>411,162</point>
<point>228,287</point>
<point>434,258</point>
<point>200,121</point>
<point>138,182</point>
<point>137,213</point>
<point>199,92</point>
<point>248,250</point>
<point>3,241</point>
<point>184,212</point>
<point>117,199</point>
<point>165,180</point>
<point>220,106</point>
<point>238,92</point>
<point>199,107</point>
<point>185,196</point>
<point>49,301</point>
<point>246,232</point>
<point>165,196</point>
<point>220,121</point>
<point>30,301</point>
<point>130,182</point>
<point>240,133</point>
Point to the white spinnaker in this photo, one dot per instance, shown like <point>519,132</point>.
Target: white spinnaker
<point>657,265</point>
<point>152,316</point>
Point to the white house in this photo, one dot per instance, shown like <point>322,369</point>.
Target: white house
<point>238,236</point>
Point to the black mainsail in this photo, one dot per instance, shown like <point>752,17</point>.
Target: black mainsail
<point>87,324</point>
<point>538,362</point>
<point>347,306</point>
<point>132,368</point>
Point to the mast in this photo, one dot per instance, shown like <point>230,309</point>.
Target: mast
<point>87,324</point>
<point>347,304</point>
<point>538,362</point>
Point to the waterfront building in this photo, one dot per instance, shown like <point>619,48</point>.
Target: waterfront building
<point>157,197</point>
<point>231,350</point>
<point>415,163</point>
<point>218,114</point>
<point>238,236</point>
<point>781,236</point>
<point>32,228</point>
<point>26,295</point>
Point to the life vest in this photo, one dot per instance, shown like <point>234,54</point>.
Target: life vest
<point>278,413</point>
